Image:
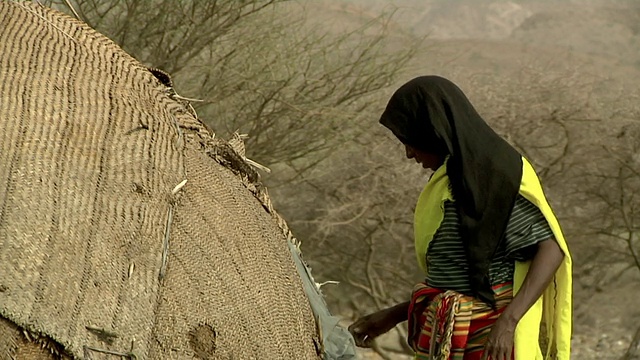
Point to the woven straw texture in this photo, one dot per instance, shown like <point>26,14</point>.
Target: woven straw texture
<point>100,250</point>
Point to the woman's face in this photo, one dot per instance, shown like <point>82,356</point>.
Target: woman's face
<point>428,160</point>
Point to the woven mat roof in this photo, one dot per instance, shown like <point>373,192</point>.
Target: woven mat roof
<point>99,248</point>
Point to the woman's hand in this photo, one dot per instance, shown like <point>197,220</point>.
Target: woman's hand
<point>367,328</point>
<point>499,345</point>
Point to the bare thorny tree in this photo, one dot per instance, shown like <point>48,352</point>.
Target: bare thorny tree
<point>364,230</point>
<point>615,193</point>
<point>258,68</point>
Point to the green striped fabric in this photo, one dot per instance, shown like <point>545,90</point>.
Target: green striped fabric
<point>446,260</point>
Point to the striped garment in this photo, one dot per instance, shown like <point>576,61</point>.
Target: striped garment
<point>446,260</point>
<point>447,325</point>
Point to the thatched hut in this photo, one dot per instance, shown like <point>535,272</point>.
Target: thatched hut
<point>126,228</point>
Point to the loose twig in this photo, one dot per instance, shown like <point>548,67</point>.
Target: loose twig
<point>165,243</point>
<point>102,334</point>
<point>72,9</point>
<point>127,355</point>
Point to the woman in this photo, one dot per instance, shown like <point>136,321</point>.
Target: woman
<point>495,260</point>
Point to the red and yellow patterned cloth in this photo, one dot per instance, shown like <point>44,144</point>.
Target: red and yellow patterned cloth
<point>447,325</point>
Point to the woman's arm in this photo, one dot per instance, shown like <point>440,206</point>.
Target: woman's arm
<point>400,312</point>
<point>543,266</point>
<point>365,329</point>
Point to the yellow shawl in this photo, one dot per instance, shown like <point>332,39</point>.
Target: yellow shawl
<point>553,308</point>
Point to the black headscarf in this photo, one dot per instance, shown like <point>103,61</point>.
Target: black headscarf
<point>432,114</point>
